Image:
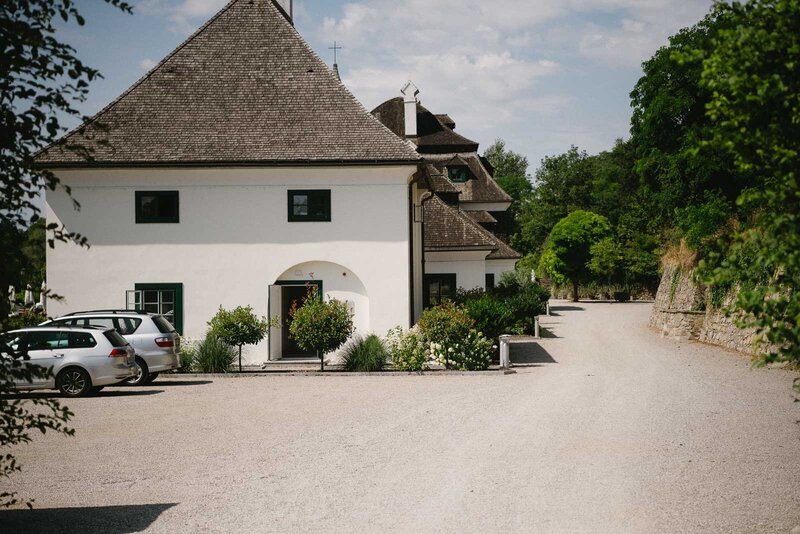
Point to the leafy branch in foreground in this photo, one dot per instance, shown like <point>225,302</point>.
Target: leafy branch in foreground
<point>752,74</point>
<point>41,79</point>
<point>20,417</point>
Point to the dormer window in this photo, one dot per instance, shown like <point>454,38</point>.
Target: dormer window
<point>458,174</point>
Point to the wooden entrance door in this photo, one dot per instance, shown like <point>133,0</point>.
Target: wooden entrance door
<point>293,293</point>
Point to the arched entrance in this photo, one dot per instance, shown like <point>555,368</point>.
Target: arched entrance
<point>332,281</point>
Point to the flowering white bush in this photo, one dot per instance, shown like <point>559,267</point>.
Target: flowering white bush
<point>408,348</point>
<point>473,353</point>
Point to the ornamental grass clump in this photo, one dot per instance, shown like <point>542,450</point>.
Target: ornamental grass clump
<point>408,349</point>
<point>365,355</point>
<point>213,355</point>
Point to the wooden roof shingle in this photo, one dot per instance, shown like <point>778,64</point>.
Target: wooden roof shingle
<point>244,89</point>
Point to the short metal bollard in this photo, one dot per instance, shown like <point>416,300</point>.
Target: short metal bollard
<point>505,359</point>
<point>536,327</point>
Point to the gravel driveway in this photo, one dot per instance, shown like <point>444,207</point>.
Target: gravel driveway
<point>608,428</point>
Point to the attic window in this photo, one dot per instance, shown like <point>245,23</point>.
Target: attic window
<point>458,174</point>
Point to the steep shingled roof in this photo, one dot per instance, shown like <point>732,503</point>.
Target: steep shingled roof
<point>433,136</point>
<point>480,216</point>
<point>482,189</point>
<point>244,89</point>
<point>447,228</point>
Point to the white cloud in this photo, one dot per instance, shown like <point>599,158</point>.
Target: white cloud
<point>185,15</point>
<point>147,64</point>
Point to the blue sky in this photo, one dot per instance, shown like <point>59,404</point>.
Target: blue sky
<point>542,74</point>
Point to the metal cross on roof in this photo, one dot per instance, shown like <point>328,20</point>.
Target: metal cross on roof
<point>334,48</point>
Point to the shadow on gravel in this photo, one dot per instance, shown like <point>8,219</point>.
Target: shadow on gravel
<point>555,309</point>
<point>546,333</point>
<point>104,393</point>
<point>85,520</point>
<point>529,354</point>
<point>167,383</point>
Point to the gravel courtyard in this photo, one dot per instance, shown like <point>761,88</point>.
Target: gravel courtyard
<point>606,428</point>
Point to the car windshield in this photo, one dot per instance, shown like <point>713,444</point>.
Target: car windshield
<point>163,325</point>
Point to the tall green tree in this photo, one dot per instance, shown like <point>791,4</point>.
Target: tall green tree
<point>41,79</point>
<point>752,73</point>
<point>568,254</point>
<point>669,118</point>
<point>511,174</point>
<point>562,184</point>
<point>506,163</point>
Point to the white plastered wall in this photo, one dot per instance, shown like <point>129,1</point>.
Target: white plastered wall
<point>233,240</point>
<point>498,267</point>
<point>468,266</point>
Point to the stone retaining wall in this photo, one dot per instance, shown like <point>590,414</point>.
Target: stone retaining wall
<point>681,310</point>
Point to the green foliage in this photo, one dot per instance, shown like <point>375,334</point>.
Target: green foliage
<point>25,319</point>
<point>562,185</point>
<point>605,259</point>
<point>408,349</point>
<point>445,323</point>
<point>470,353</point>
<point>673,286</point>
<point>568,251</point>
<point>507,163</point>
<point>321,326</point>
<point>41,80</point>
<point>700,222</point>
<point>510,308</point>
<point>213,355</point>
<point>511,174</point>
<point>491,315</point>
<point>719,293</point>
<point>365,355</point>
<point>238,327</point>
<point>22,416</point>
<point>751,73</point>
<point>528,303</point>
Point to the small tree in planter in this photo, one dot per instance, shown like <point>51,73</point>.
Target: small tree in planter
<point>238,327</point>
<point>321,326</point>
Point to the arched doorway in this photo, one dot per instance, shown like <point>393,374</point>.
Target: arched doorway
<point>332,281</point>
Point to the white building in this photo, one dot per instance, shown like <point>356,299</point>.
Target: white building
<point>238,172</point>
<point>460,204</point>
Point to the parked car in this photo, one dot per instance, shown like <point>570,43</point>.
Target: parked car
<point>83,360</point>
<point>152,337</point>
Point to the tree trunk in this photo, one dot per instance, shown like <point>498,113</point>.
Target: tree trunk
<point>321,361</point>
<point>240,358</point>
<point>574,291</point>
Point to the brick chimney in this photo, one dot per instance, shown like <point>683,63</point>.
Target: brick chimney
<point>410,93</point>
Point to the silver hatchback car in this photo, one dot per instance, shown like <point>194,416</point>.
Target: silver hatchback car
<point>83,360</point>
<point>154,339</point>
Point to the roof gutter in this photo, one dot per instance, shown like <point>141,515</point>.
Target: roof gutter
<point>222,163</point>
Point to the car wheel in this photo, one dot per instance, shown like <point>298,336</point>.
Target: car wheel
<point>140,378</point>
<point>74,382</point>
<point>97,389</point>
<point>152,377</point>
